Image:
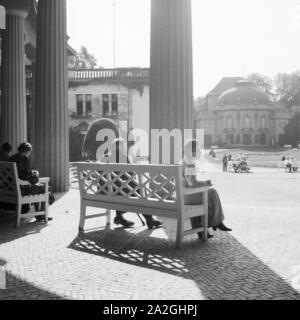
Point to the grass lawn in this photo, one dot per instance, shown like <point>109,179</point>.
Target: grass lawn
<point>261,157</point>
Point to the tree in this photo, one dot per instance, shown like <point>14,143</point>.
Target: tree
<point>288,88</point>
<point>292,130</point>
<point>90,144</point>
<point>75,145</point>
<point>83,60</point>
<point>261,82</point>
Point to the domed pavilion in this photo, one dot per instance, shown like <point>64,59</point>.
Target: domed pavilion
<point>235,113</point>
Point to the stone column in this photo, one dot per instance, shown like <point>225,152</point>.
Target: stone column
<point>33,97</point>
<point>13,123</point>
<point>171,79</point>
<point>51,107</point>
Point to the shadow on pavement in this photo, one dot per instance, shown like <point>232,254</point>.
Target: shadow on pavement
<point>222,268</point>
<point>9,233</point>
<point>18,289</point>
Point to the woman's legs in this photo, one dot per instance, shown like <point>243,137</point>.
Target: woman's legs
<point>215,210</point>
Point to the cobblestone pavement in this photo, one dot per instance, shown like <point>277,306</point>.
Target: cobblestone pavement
<point>260,259</point>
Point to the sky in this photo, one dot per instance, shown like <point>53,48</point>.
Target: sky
<point>230,37</point>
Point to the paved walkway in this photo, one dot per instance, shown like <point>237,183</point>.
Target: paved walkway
<point>260,259</point>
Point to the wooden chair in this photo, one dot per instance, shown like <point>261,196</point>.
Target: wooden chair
<point>10,192</point>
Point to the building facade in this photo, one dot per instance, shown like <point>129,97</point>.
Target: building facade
<point>121,95</point>
<point>235,113</point>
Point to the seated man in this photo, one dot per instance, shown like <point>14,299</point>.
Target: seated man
<point>119,155</point>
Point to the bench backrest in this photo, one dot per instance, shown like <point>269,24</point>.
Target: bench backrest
<point>140,185</point>
<point>9,181</point>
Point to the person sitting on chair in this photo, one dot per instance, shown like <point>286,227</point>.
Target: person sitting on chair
<point>5,153</point>
<point>26,173</point>
<point>215,210</point>
<point>119,155</point>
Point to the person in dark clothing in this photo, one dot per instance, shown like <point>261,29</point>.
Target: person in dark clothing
<point>119,155</point>
<point>26,173</point>
<point>5,153</point>
<point>225,162</point>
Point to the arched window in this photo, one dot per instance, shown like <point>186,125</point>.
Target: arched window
<point>247,122</point>
<point>263,122</point>
<point>229,123</point>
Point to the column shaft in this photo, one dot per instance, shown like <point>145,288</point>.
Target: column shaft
<point>171,80</point>
<point>51,107</point>
<point>13,122</point>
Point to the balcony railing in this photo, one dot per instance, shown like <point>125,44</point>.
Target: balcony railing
<point>110,74</point>
<point>113,74</point>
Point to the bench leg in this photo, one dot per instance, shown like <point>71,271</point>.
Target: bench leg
<point>82,216</point>
<point>205,217</point>
<point>108,220</point>
<point>46,210</point>
<point>18,211</point>
<point>180,233</point>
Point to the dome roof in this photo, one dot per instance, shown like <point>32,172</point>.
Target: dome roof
<point>243,93</point>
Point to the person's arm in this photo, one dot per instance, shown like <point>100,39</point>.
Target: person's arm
<point>28,173</point>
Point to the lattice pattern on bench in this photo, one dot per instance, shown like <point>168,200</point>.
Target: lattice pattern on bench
<point>7,181</point>
<point>136,185</point>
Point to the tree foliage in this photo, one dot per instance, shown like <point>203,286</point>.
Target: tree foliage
<point>261,82</point>
<point>83,60</point>
<point>90,144</point>
<point>292,130</point>
<point>75,145</point>
<point>288,88</point>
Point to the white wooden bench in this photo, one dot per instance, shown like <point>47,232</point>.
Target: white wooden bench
<point>147,189</point>
<point>10,192</point>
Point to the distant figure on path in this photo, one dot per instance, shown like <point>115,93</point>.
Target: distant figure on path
<point>225,162</point>
<point>288,164</point>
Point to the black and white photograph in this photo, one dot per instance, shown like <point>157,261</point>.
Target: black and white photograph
<point>149,152</point>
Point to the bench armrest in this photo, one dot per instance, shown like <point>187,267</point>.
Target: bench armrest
<point>189,191</point>
<point>24,183</point>
<point>44,180</point>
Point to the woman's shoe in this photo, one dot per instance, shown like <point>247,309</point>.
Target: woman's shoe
<point>153,223</point>
<point>222,227</point>
<point>42,218</point>
<point>209,236</point>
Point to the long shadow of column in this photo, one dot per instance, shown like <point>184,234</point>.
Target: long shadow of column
<point>19,289</point>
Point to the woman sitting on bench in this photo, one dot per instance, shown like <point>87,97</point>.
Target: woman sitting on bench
<point>215,210</point>
<point>26,173</point>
